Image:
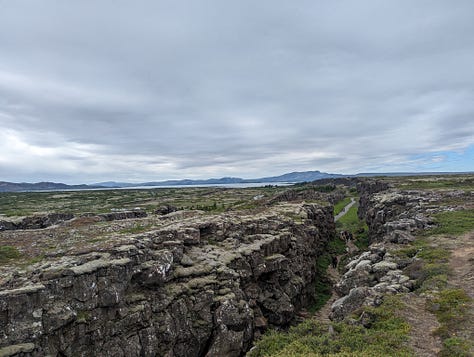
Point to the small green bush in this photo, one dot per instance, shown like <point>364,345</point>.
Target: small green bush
<point>386,336</point>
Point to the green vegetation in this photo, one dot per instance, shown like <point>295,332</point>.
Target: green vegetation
<point>385,335</point>
<point>435,182</point>
<point>212,199</point>
<point>431,271</point>
<point>82,316</point>
<point>339,206</point>
<point>350,222</point>
<point>450,307</point>
<point>322,286</point>
<point>8,253</point>
<point>453,222</point>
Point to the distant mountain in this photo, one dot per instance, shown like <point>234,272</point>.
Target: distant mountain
<point>305,176</point>
<point>40,186</point>
<point>292,177</point>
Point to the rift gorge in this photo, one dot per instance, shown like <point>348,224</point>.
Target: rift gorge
<point>260,271</point>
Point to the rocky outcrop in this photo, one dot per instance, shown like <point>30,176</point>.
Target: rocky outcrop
<point>329,193</point>
<point>114,216</point>
<point>368,278</point>
<point>393,216</point>
<point>36,222</point>
<point>48,220</point>
<point>204,286</point>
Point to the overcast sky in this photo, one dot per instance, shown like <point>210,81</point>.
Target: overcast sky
<point>96,90</point>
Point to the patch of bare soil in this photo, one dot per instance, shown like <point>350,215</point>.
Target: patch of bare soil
<point>462,264</point>
<point>423,324</point>
<point>462,277</point>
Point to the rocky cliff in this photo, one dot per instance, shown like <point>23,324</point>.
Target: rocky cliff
<point>200,286</point>
<point>393,217</point>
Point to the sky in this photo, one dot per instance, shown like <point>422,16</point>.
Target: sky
<point>98,90</point>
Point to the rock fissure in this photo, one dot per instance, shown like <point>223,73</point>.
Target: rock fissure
<point>203,286</point>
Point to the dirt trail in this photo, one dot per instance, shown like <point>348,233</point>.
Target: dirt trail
<point>462,263</point>
<point>422,325</point>
<point>462,277</point>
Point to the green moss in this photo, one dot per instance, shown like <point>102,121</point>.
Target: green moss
<point>82,316</point>
<point>8,253</point>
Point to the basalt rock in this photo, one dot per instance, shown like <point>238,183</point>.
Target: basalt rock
<point>113,216</point>
<point>37,221</point>
<point>201,286</point>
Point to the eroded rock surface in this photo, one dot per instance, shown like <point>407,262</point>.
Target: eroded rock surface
<point>393,217</point>
<point>195,286</point>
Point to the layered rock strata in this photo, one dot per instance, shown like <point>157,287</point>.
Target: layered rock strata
<point>201,286</point>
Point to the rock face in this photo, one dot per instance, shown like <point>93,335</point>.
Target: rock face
<point>36,222</point>
<point>369,276</point>
<point>392,217</point>
<point>202,287</point>
<point>47,220</point>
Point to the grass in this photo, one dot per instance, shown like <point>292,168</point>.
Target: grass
<point>8,253</point>
<point>431,271</point>
<point>339,206</point>
<point>457,182</point>
<point>453,222</point>
<point>350,219</point>
<point>322,293</point>
<point>385,335</point>
<point>450,307</point>
<point>214,199</point>
<point>350,222</point>
<point>322,286</point>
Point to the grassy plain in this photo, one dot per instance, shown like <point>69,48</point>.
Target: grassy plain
<point>102,201</point>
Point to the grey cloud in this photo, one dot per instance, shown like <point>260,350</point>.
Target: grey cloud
<point>246,88</point>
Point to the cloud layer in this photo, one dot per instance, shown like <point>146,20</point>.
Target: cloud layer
<point>153,90</point>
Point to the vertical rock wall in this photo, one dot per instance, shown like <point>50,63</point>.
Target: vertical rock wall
<point>199,287</point>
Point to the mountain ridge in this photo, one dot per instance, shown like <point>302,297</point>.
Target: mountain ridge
<point>291,177</point>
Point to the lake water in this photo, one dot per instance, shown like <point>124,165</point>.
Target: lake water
<point>229,185</point>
